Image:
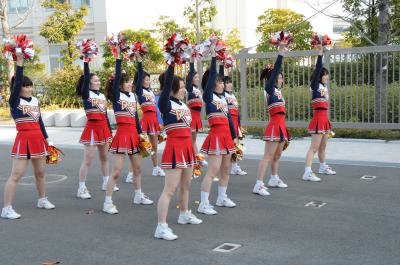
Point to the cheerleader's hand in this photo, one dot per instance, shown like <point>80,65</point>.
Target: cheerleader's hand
<point>320,49</point>
<point>20,57</point>
<point>191,59</point>
<point>212,50</point>
<point>118,52</point>
<point>282,49</point>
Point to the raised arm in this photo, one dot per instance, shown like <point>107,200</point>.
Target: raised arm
<point>117,80</point>
<point>86,81</point>
<point>318,69</point>
<point>189,83</point>
<point>19,75</point>
<point>212,76</point>
<point>270,84</point>
<point>164,103</point>
<point>221,69</point>
<point>139,81</point>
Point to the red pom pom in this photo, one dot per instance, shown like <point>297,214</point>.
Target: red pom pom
<point>137,50</point>
<point>319,39</point>
<point>218,44</point>
<point>19,43</point>
<point>177,49</point>
<point>88,49</point>
<point>119,40</point>
<point>282,38</point>
<point>228,60</point>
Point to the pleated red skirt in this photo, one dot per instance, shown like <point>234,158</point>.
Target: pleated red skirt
<point>276,130</point>
<point>149,123</point>
<point>178,153</point>
<point>219,141</point>
<point>95,133</point>
<point>29,144</point>
<point>197,124</point>
<point>319,123</point>
<point>126,140</point>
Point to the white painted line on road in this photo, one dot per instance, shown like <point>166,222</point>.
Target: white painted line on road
<point>226,247</point>
<point>59,178</point>
<point>368,177</point>
<point>315,204</point>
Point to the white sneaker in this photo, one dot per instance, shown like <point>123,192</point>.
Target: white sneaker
<point>327,170</point>
<point>142,199</point>
<point>83,194</point>
<point>129,178</point>
<point>44,203</point>
<point>225,202</point>
<point>188,218</point>
<point>260,189</point>
<point>206,208</point>
<point>164,232</point>
<point>9,213</point>
<point>310,176</point>
<point>110,208</point>
<point>276,183</point>
<point>158,171</point>
<point>104,187</point>
<point>238,171</point>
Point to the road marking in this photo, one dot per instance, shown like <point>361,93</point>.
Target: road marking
<point>315,204</point>
<point>226,247</point>
<point>58,178</point>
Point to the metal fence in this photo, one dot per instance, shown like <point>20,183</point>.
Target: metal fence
<point>364,86</point>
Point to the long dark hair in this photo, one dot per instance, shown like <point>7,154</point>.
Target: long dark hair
<point>79,84</point>
<point>187,79</point>
<point>26,81</point>
<point>109,86</point>
<point>266,73</point>
<point>135,78</point>
<point>324,71</point>
<point>204,79</point>
<point>175,82</point>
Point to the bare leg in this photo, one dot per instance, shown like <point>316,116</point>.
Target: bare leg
<point>172,179</point>
<point>18,170</point>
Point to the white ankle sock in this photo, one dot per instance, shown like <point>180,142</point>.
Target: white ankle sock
<point>234,164</point>
<point>274,177</point>
<point>108,199</point>
<point>204,196</point>
<point>322,165</point>
<point>130,173</point>
<point>105,179</point>
<point>82,185</point>
<point>259,182</point>
<point>222,191</point>
<point>307,169</point>
<point>137,192</point>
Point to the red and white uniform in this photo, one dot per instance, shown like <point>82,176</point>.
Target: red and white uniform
<point>126,139</point>
<point>233,106</point>
<point>276,130</point>
<point>195,102</point>
<point>319,123</point>
<point>30,142</point>
<point>178,152</point>
<point>97,130</point>
<point>147,100</point>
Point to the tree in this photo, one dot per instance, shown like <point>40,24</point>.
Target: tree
<point>166,25</point>
<point>151,63</point>
<point>63,27</point>
<point>207,11</point>
<point>233,43</point>
<point>278,19</point>
<point>6,28</point>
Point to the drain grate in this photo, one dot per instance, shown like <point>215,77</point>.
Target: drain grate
<point>226,247</point>
<point>315,204</point>
<point>368,177</point>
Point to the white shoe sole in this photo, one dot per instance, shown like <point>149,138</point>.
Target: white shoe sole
<point>207,213</point>
<point>42,207</point>
<point>311,180</point>
<point>9,218</point>
<point>104,211</point>
<point>256,193</point>
<point>167,239</point>
<point>86,198</point>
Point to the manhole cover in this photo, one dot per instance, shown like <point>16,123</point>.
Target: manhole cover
<point>227,247</point>
<point>315,204</point>
<point>368,177</point>
<point>50,178</point>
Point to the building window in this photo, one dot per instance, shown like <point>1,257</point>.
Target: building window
<point>76,3</point>
<point>17,6</point>
<point>55,56</point>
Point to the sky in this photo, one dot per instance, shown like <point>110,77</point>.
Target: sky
<point>144,14</point>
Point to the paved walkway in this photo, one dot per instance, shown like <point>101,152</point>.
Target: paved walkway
<point>340,151</point>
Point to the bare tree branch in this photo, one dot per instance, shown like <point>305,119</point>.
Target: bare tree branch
<point>23,18</point>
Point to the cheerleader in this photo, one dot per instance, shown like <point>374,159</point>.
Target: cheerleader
<point>219,144</point>
<point>319,126</point>
<point>149,120</point>
<point>30,142</point>
<point>97,131</point>
<point>179,157</point>
<point>276,135</point>
<point>126,139</point>
<point>195,102</point>
<point>233,107</point>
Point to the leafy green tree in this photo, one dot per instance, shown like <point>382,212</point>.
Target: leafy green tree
<point>232,41</point>
<point>151,63</point>
<point>63,27</point>
<point>278,19</point>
